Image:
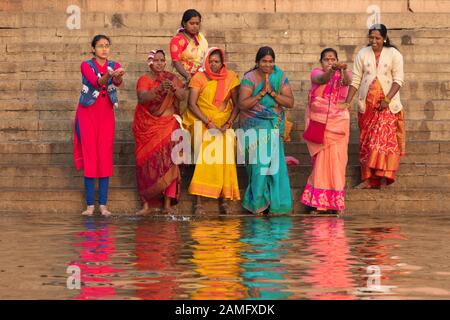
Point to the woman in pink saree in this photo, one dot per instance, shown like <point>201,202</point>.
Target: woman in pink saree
<point>324,190</point>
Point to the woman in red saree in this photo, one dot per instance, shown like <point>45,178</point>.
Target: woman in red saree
<point>378,77</point>
<point>156,117</point>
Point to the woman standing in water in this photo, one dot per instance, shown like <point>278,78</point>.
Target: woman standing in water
<point>264,94</point>
<point>94,122</point>
<point>159,93</point>
<point>325,189</point>
<point>213,103</point>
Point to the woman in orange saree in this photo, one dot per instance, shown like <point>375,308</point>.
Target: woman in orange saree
<point>156,117</point>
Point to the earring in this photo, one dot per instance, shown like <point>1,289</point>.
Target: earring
<point>384,41</point>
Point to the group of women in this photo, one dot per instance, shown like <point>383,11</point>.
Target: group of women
<point>216,98</point>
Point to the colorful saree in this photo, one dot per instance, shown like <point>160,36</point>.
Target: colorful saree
<point>156,174</point>
<point>382,138</point>
<point>325,188</point>
<point>217,179</point>
<point>267,189</point>
<point>188,50</point>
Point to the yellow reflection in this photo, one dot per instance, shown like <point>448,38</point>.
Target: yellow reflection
<point>217,259</point>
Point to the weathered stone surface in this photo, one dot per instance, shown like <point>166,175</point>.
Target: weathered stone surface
<point>40,82</point>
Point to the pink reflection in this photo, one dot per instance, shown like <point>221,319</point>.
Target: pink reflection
<point>329,274</point>
<point>376,248</point>
<point>156,251</point>
<point>95,251</point>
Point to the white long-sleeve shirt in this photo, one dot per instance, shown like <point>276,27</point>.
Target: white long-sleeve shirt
<point>389,70</point>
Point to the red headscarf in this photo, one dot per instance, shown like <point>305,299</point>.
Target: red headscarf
<point>220,77</point>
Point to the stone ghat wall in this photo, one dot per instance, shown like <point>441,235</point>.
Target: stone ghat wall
<point>239,6</point>
<point>40,82</point>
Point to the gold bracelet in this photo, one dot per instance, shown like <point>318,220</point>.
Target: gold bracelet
<point>387,100</point>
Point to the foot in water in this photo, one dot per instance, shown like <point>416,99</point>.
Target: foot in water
<point>199,210</point>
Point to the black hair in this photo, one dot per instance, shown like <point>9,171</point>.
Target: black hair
<point>262,52</point>
<point>326,50</point>
<point>188,15</point>
<point>99,37</point>
<point>219,53</point>
<point>161,51</point>
<point>383,31</point>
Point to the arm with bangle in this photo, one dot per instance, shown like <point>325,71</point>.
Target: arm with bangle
<point>246,100</point>
<point>234,113</point>
<point>387,99</point>
<point>285,98</point>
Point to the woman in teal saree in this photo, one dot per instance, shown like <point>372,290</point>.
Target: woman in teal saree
<point>263,96</point>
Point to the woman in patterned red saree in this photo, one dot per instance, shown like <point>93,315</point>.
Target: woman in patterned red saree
<point>156,117</point>
<point>378,77</point>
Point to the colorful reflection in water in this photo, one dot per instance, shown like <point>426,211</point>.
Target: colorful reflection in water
<point>279,257</point>
<point>96,246</point>
<point>263,272</point>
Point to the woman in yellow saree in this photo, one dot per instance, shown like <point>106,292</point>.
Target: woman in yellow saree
<point>213,93</point>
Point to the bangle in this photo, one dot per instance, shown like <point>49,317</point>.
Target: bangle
<point>387,100</point>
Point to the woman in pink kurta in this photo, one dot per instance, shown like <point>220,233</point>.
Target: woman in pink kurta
<point>324,190</point>
<point>94,122</point>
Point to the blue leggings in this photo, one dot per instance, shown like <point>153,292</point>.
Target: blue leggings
<point>89,187</point>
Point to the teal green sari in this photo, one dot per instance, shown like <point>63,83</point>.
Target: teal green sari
<point>268,186</point>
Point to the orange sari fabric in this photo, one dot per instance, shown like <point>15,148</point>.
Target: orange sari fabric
<point>382,139</point>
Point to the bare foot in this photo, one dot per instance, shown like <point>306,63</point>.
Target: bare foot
<point>104,211</point>
<point>199,210</point>
<point>89,211</point>
<point>363,185</point>
<point>170,210</point>
<point>225,207</point>
<point>144,211</point>
<point>319,211</point>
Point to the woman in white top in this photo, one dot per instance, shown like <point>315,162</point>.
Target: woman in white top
<point>378,77</point>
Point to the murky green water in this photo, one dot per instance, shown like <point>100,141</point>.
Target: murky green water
<point>355,257</point>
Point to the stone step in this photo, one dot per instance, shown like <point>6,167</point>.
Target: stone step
<point>205,6</point>
<point>125,201</point>
<point>61,108</point>
<point>347,42</point>
<point>26,80</point>
<point>296,115</point>
<point>47,90</point>
<point>124,122</point>
<point>38,177</point>
<point>55,153</point>
<point>68,171</point>
<point>231,47</point>
<point>216,21</point>
<point>14,131</point>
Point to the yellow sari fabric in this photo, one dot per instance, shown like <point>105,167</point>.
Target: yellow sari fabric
<point>213,180</point>
<point>218,261</point>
